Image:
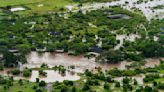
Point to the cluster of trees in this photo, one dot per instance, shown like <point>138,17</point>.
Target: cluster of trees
<point>39,31</point>
<point>59,68</point>
<point>11,59</point>
<point>146,49</point>
<point>150,48</point>
<point>26,72</point>
<point>111,56</point>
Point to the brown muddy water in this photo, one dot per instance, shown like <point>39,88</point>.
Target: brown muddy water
<point>81,63</point>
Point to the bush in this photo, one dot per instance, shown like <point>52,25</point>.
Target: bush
<point>106,86</point>
<point>42,83</point>
<point>27,73</point>
<point>15,72</point>
<point>85,87</point>
<point>37,80</point>
<point>129,73</point>
<point>117,84</point>
<point>42,73</point>
<point>151,77</point>
<point>67,82</point>
<point>161,86</point>
<point>1,67</point>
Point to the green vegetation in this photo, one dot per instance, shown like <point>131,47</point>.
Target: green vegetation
<point>27,72</point>
<point>9,85</point>
<point>159,7</point>
<point>46,26</point>
<point>47,31</point>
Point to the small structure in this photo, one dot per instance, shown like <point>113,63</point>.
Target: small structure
<point>162,28</point>
<point>71,52</point>
<point>59,50</point>
<point>41,49</point>
<point>17,9</point>
<point>93,54</point>
<point>13,50</point>
<point>1,56</point>
<point>95,49</point>
<point>161,33</point>
<point>54,33</point>
<point>119,16</point>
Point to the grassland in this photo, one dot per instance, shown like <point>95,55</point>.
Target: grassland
<point>27,2</point>
<point>36,6</point>
<point>16,87</point>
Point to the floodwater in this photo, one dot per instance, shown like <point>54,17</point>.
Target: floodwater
<point>80,62</point>
<point>132,5</point>
<point>54,59</point>
<point>53,76</point>
<point>152,62</point>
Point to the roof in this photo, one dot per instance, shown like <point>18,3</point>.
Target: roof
<point>118,16</point>
<point>161,32</point>
<point>162,28</point>
<point>96,49</point>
